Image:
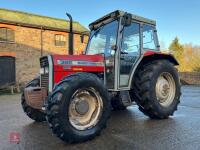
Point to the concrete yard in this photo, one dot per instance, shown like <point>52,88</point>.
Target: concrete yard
<point>126,130</point>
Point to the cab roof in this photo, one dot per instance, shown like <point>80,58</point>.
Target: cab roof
<point>119,13</point>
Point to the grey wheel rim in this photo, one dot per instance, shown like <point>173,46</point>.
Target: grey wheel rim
<point>85,108</point>
<point>165,89</point>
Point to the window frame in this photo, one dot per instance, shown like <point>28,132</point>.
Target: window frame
<point>140,43</point>
<point>140,25</point>
<point>7,39</point>
<point>155,36</point>
<point>89,38</point>
<point>61,41</point>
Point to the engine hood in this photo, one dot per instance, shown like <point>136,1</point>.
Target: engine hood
<point>78,63</point>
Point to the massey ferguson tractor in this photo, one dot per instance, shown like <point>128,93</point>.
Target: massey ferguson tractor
<point>122,64</point>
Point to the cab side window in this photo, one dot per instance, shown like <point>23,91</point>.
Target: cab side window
<point>149,38</point>
<point>131,39</point>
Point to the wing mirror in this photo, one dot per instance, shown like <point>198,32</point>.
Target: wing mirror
<point>127,19</point>
<point>114,47</point>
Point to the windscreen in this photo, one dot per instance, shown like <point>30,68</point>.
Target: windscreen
<point>102,39</point>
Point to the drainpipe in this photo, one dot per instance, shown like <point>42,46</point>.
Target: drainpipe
<point>71,35</point>
<point>41,40</point>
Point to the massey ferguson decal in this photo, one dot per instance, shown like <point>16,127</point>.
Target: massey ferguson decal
<point>79,63</point>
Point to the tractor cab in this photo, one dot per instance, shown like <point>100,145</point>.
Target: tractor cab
<point>122,39</point>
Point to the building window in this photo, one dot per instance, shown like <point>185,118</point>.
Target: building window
<point>60,40</point>
<point>7,35</point>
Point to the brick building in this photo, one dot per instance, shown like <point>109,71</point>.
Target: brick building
<point>26,36</point>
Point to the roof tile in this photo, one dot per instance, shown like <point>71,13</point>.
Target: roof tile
<point>38,20</point>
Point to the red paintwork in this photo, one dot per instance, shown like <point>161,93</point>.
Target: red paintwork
<point>61,71</point>
<point>167,56</point>
<point>150,52</point>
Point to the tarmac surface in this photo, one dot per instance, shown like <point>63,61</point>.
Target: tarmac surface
<point>126,130</point>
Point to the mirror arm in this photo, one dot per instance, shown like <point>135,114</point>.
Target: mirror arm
<point>114,47</point>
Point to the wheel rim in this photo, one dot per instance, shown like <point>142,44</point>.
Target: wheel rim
<point>85,108</point>
<point>165,89</point>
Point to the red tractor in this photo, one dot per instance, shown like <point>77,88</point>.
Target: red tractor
<point>122,64</point>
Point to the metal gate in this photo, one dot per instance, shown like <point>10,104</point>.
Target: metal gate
<point>7,71</point>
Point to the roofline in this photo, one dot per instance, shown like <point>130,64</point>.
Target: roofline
<point>118,13</point>
<point>41,27</point>
<point>32,14</point>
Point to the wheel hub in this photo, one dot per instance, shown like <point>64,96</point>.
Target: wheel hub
<point>165,89</point>
<point>85,108</point>
<point>82,107</point>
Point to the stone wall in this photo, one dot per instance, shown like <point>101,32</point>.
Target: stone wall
<point>27,47</point>
<point>190,78</point>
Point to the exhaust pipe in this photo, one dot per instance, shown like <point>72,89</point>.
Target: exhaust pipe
<point>71,35</point>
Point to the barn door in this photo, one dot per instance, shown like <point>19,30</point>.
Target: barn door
<point>7,71</point>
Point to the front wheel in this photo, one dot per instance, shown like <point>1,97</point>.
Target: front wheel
<point>32,113</point>
<point>157,89</point>
<point>78,108</point>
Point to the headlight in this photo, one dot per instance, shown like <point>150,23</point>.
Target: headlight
<point>46,70</point>
<point>41,70</point>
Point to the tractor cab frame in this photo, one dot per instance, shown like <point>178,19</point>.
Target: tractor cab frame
<point>123,39</point>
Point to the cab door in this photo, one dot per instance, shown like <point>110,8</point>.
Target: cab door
<point>129,53</point>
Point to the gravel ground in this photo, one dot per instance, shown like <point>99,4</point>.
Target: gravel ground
<point>128,129</point>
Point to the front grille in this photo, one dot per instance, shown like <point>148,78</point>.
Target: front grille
<point>44,77</point>
<point>44,62</point>
<point>45,81</point>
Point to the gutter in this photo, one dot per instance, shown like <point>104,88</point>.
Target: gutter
<point>39,27</point>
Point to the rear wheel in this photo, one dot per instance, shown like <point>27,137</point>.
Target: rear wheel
<point>32,113</point>
<point>157,89</point>
<point>78,108</point>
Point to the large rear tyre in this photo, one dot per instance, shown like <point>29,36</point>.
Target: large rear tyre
<point>32,113</point>
<point>79,108</point>
<point>157,89</point>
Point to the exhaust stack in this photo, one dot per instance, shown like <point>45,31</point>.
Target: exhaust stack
<point>71,35</point>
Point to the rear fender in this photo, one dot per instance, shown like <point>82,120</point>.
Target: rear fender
<point>152,55</point>
<point>149,56</point>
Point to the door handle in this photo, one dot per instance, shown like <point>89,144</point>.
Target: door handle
<point>123,52</point>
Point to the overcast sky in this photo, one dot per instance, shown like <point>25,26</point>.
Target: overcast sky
<point>174,17</point>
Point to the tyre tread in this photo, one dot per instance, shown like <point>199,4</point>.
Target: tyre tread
<point>142,86</point>
<point>53,106</point>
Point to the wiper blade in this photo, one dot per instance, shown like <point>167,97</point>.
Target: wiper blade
<point>97,31</point>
